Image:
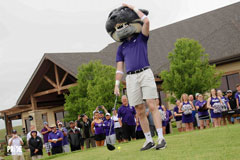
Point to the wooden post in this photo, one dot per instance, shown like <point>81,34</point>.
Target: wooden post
<point>57,78</point>
<point>8,124</point>
<point>33,103</point>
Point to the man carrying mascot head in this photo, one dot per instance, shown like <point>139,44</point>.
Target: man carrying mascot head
<point>140,80</point>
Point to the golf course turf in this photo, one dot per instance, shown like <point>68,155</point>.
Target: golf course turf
<point>212,144</point>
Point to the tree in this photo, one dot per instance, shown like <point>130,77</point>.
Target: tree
<point>189,70</point>
<point>95,87</point>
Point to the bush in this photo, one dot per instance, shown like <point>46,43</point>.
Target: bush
<point>174,125</point>
<point>24,138</point>
<point>5,151</point>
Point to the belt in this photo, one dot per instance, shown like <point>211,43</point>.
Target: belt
<point>138,71</point>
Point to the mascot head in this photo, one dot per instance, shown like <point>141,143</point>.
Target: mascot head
<point>123,22</point>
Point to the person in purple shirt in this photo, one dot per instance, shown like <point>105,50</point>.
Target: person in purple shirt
<point>237,95</point>
<point>214,103</point>
<point>45,132</point>
<point>162,109</point>
<point>110,133</point>
<point>140,81</point>
<point>55,137</point>
<point>169,125</point>
<point>186,108</point>
<point>126,118</point>
<point>178,117</point>
<point>203,115</point>
<point>97,127</point>
<point>226,106</point>
<point>65,144</point>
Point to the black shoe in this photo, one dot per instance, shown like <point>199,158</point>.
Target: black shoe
<point>147,145</point>
<point>161,144</point>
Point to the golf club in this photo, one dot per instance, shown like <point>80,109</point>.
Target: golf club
<point>109,145</point>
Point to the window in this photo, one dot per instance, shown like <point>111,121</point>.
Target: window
<point>59,115</point>
<point>44,117</point>
<point>229,82</point>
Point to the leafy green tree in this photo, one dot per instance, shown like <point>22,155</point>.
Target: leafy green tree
<point>189,70</point>
<point>95,87</point>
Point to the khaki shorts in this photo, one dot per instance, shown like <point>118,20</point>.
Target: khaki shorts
<point>141,86</point>
<point>180,124</point>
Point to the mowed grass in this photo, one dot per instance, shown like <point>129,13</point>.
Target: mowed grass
<point>211,144</point>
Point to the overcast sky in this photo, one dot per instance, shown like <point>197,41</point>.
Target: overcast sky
<point>30,28</point>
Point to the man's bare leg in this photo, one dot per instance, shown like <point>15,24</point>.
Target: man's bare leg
<point>153,107</point>
<point>140,109</point>
<point>156,116</point>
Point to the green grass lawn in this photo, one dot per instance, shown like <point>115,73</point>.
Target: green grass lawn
<point>211,144</point>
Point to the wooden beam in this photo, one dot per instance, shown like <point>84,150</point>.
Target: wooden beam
<point>64,78</point>
<point>45,92</point>
<point>50,81</point>
<point>33,102</point>
<point>18,111</point>
<point>57,78</point>
<point>68,86</point>
<point>54,90</point>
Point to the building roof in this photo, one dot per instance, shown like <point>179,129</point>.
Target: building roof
<point>218,31</point>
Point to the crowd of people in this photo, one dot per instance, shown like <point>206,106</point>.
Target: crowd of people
<point>123,125</point>
<point>193,113</point>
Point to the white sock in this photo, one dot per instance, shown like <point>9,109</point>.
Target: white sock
<point>148,137</point>
<point>160,132</point>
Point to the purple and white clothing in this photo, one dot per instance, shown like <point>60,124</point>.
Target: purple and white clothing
<point>134,53</point>
<point>65,138</point>
<point>216,112</point>
<point>187,112</point>
<point>54,136</point>
<point>201,104</point>
<point>237,96</point>
<point>164,116</point>
<point>45,136</point>
<point>162,113</point>
<point>187,108</point>
<point>127,115</point>
<point>225,103</point>
<point>107,125</point>
<point>99,128</point>
<point>116,122</point>
<point>177,118</point>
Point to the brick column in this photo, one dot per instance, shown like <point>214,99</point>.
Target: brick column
<point>37,119</point>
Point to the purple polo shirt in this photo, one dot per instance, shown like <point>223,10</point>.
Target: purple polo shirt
<point>45,136</point>
<point>56,135</point>
<point>134,53</point>
<point>127,114</point>
<point>107,125</point>
<point>65,138</point>
<point>200,105</point>
<point>177,118</point>
<point>237,96</point>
